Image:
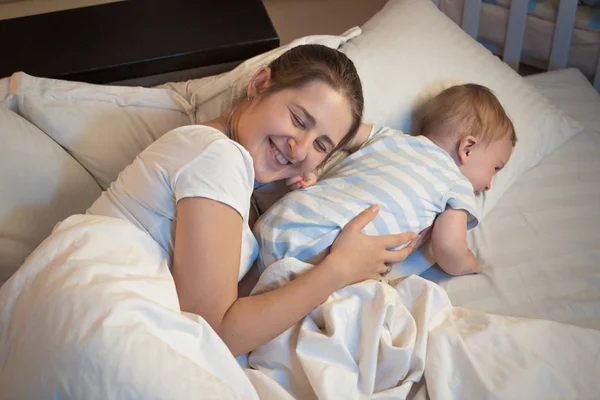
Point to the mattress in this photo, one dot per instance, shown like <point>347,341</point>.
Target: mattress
<point>541,244</point>
<point>537,43</point>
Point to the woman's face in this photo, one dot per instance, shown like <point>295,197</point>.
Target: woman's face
<point>290,132</point>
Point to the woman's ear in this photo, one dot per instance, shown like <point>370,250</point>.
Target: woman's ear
<point>465,147</point>
<point>260,81</point>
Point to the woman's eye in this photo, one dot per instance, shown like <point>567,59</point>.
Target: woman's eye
<point>320,146</point>
<point>298,122</point>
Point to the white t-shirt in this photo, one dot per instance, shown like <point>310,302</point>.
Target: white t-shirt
<point>192,161</point>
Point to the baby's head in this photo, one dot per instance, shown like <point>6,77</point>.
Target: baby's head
<point>469,123</point>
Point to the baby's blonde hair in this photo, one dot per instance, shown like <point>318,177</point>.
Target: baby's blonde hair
<point>468,109</point>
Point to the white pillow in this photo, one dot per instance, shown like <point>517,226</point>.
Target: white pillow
<point>4,86</point>
<point>106,127</point>
<point>410,51</point>
<point>214,95</point>
<point>40,184</point>
<point>103,127</point>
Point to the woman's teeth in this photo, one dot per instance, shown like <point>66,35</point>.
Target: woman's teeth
<point>278,156</point>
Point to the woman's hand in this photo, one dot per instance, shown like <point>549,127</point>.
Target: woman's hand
<point>357,257</point>
<point>301,181</point>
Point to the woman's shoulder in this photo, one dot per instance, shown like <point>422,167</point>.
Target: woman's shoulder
<point>189,142</point>
<point>198,135</point>
<point>206,163</point>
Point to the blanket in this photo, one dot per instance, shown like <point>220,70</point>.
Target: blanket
<point>93,313</point>
<point>378,340</point>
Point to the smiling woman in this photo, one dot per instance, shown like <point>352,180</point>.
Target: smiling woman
<point>300,109</point>
<point>190,190</point>
<point>308,125</point>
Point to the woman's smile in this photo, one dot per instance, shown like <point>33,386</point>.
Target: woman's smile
<point>280,160</point>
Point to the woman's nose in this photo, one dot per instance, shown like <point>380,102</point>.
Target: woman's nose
<point>299,147</point>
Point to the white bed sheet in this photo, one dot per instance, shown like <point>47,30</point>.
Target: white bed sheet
<point>541,244</point>
<point>537,43</point>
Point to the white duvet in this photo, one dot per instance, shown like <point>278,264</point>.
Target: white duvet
<point>93,313</point>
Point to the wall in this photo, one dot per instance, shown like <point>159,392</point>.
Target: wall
<point>21,8</point>
<point>296,18</point>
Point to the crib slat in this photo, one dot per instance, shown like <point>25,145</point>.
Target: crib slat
<point>561,43</point>
<point>470,17</point>
<point>516,30</point>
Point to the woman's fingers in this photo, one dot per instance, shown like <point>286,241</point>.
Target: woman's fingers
<point>293,180</point>
<point>309,179</point>
<point>363,219</point>
<point>393,241</point>
<point>396,256</point>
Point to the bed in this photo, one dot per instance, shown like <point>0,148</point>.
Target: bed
<point>528,327</point>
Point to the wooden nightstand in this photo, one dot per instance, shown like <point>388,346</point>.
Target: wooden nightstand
<point>135,38</point>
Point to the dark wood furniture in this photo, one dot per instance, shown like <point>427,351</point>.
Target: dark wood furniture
<point>135,38</point>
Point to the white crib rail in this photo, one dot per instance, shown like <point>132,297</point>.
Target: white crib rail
<point>470,17</point>
<point>561,41</point>
<point>516,32</point>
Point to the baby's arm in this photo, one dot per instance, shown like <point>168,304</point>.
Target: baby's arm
<point>449,243</point>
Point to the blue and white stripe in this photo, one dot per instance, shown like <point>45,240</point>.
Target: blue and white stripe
<point>411,178</point>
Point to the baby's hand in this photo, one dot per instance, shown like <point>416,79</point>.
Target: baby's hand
<point>301,181</point>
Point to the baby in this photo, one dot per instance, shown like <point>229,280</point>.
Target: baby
<point>420,182</point>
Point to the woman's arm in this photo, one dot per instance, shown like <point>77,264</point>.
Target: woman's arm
<point>206,263</point>
<point>248,282</point>
<point>449,243</point>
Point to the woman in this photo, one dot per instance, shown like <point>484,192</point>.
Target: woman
<point>191,191</point>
